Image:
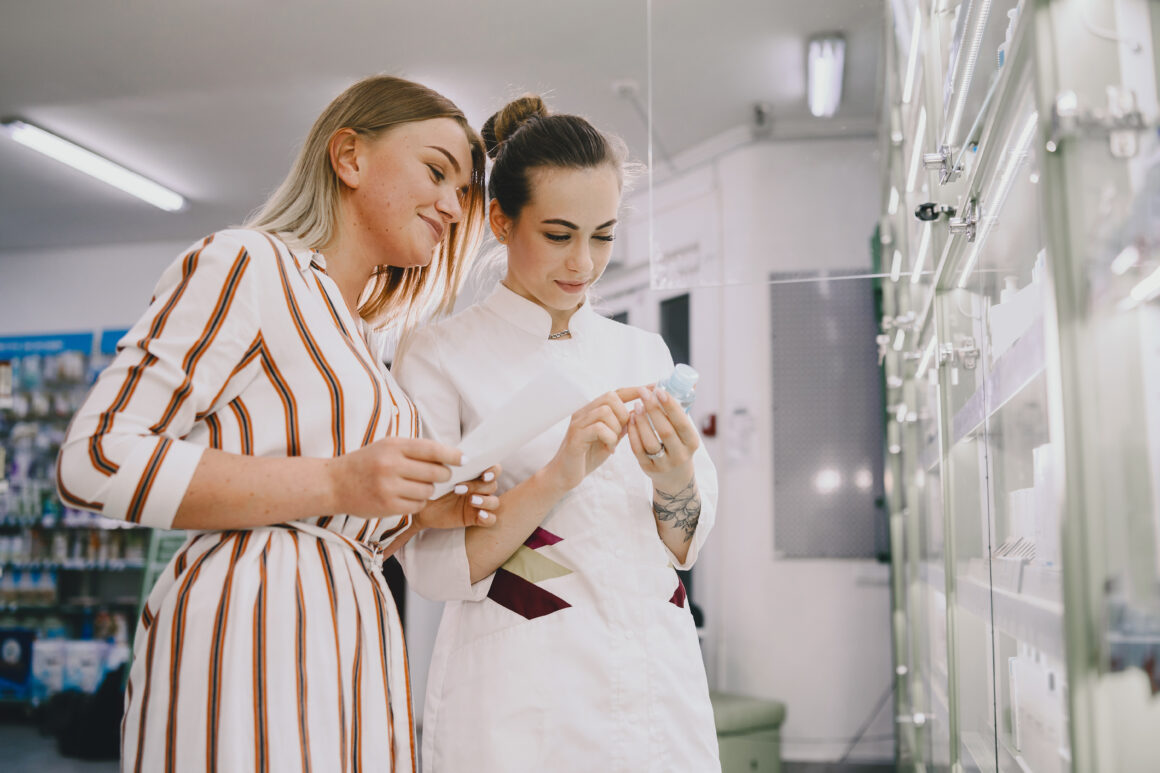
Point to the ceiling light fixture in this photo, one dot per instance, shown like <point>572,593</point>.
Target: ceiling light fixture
<point>827,56</point>
<point>93,165</point>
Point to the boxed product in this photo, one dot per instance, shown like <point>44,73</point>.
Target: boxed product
<point>84,664</point>
<point>15,662</point>
<point>47,667</point>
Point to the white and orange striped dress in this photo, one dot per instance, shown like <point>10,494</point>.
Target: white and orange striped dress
<point>266,649</point>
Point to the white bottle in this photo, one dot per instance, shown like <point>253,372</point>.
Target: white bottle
<point>682,385</point>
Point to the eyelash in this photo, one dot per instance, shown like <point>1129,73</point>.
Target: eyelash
<point>438,175</point>
<point>565,237</point>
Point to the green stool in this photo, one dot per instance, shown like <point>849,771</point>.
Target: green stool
<point>748,733</point>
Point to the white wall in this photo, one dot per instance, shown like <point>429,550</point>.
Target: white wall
<point>61,291</point>
<point>811,633</point>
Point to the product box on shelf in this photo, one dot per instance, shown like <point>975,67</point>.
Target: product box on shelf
<point>15,662</point>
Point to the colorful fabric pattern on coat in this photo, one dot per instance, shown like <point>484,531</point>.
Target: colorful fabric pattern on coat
<point>514,585</point>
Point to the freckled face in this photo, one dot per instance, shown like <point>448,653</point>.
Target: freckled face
<point>562,241</point>
<point>412,182</point>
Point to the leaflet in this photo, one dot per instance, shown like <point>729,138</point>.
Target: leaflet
<point>544,401</point>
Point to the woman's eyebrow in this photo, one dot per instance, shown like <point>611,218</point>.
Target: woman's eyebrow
<point>573,226</point>
<point>450,157</point>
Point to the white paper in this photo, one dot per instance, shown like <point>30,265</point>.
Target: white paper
<point>550,397</point>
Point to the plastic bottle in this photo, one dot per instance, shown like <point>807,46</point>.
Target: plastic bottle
<point>682,385</point>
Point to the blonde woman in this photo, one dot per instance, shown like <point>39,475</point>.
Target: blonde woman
<point>249,404</point>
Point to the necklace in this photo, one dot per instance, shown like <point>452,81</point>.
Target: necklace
<point>557,336</point>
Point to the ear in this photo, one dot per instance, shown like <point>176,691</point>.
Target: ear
<point>344,149</point>
<point>501,224</point>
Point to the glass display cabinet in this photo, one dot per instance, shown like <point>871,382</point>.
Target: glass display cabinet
<point>1021,345</point>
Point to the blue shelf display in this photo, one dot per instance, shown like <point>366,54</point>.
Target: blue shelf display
<point>70,580</point>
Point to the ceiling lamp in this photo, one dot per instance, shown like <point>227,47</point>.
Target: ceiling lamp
<point>93,165</point>
<point>827,55</point>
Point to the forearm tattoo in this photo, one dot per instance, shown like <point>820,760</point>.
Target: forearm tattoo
<point>683,509</point>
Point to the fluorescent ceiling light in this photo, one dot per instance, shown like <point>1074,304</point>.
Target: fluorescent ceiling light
<point>826,59</point>
<point>93,165</point>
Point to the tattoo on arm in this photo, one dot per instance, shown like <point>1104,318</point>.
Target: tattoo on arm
<point>683,509</point>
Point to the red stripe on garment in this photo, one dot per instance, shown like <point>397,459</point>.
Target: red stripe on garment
<point>324,554</point>
<point>66,495</point>
<point>261,721</point>
<point>300,659</point>
<point>251,353</point>
<point>381,598</point>
<point>221,310</point>
<point>356,728</point>
<point>245,425</point>
<point>149,648</point>
<point>176,645</point>
<point>376,381</point>
<point>213,708</point>
<point>289,403</point>
<point>145,485</point>
<point>337,410</point>
<point>133,376</point>
<point>215,430</point>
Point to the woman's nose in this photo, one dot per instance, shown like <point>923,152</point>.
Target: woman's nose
<point>580,259</point>
<point>450,207</point>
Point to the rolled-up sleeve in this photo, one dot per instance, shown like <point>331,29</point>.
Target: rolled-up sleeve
<point>124,454</point>
<point>435,560</point>
<point>706,476</point>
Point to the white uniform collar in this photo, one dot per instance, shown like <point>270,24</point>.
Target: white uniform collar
<point>531,317</point>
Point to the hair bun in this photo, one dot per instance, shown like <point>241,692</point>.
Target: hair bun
<point>511,117</point>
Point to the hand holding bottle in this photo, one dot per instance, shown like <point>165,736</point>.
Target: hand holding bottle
<point>663,439</point>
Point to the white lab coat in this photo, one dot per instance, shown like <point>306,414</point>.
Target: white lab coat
<point>580,654</point>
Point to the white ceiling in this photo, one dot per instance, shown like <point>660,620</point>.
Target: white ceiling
<point>212,97</point>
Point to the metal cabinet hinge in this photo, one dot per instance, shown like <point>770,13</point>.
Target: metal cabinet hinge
<point>968,222</point>
<point>943,161</point>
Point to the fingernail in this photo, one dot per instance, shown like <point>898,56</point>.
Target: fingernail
<point>477,500</point>
<point>662,395</point>
<point>463,460</point>
<point>488,477</point>
<point>461,489</point>
<point>484,515</point>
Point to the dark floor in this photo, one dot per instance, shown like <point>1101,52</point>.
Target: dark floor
<point>27,751</point>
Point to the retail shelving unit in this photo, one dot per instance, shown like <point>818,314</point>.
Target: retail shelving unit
<point>1021,348</point>
<point>65,575</point>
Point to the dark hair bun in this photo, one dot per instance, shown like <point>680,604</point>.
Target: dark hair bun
<point>511,117</point>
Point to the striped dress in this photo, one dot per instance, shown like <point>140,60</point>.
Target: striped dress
<point>266,649</point>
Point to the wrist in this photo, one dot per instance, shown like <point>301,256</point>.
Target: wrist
<point>330,487</point>
<point>674,482</point>
<point>550,486</point>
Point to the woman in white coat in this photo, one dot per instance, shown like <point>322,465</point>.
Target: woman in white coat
<point>566,643</point>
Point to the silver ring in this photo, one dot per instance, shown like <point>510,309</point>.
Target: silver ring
<point>660,452</point>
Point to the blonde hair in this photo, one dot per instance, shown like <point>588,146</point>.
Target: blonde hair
<point>304,208</point>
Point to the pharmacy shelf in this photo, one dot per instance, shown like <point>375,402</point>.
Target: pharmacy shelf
<point>1034,621</point>
<point>69,608</point>
<point>77,565</point>
<point>1012,373</point>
